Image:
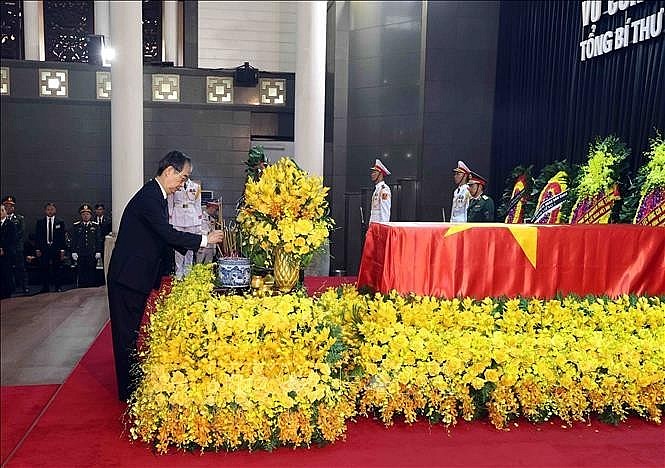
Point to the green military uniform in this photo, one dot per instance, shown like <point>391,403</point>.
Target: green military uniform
<point>481,210</point>
<point>87,245</point>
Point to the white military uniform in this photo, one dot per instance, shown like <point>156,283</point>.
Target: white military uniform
<point>461,197</point>
<point>185,215</point>
<point>380,203</point>
<point>207,254</point>
<point>381,197</point>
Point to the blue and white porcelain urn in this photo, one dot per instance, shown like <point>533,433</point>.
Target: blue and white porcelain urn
<point>234,272</point>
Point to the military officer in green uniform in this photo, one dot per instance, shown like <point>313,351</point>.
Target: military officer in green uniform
<point>18,262</point>
<point>86,247</point>
<point>481,207</point>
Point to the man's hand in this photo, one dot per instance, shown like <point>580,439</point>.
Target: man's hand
<point>98,255</point>
<point>75,256</point>
<point>38,253</point>
<point>215,237</point>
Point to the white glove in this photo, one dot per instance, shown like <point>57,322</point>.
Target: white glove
<point>98,255</point>
<point>75,256</point>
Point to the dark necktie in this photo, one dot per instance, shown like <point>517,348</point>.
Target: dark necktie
<point>49,237</point>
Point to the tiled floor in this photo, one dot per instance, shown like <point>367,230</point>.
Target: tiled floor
<point>44,336</point>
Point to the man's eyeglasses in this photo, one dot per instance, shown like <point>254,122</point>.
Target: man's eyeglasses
<point>183,177</point>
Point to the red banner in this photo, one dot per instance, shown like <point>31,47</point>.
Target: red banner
<point>480,260</point>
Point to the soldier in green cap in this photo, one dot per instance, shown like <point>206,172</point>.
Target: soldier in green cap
<point>86,247</point>
<point>481,207</point>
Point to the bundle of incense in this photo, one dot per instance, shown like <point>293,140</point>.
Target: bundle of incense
<point>229,246</point>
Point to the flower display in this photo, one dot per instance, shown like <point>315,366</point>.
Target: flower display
<point>232,372</point>
<point>597,186</point>
<point>285,208</point>
<point>645,204</point>
<point>463,358</point>
<point>239,372</point>
<point>549,201</point>
<point>516,195</point>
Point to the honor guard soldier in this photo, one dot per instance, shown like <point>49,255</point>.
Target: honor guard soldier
<point>86,247</point>
<point>185,215</point>
<point>381,196</point>
<point>461,195</point>
<point>18,262</point>
<point>207,254</point>
<point>481,207</point>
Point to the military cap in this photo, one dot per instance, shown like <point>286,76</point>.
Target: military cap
<point>85,207</point>
<point>378,166</point>
<point>476,179</point>
<point>463,168</point>
<point>9,200</point>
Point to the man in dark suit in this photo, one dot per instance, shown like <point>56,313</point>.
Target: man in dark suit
<point>136,261</point>
<point>105,227</point>
<point>50,247</point>
<point>102,220</point>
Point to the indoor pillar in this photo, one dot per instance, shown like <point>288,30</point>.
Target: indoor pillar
<point>170,31</point>
<point>126,105</point>
<point>32,12</point>
<point>310,84</point>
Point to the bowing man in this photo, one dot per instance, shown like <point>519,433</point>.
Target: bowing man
<point>134,270</point>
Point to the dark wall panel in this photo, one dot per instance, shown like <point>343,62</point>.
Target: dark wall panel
<point>460,64</point>
<point>384,45</point>
<point>217,140</point>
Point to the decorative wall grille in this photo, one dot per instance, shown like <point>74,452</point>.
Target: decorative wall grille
<point>152,31</point>
<point>67,25</point>
<point>11,29</point>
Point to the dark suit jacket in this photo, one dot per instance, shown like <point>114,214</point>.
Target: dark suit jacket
<point>144,234</point>
<point>8,240</point>
<point>105,226</point>
<point>58,234</point>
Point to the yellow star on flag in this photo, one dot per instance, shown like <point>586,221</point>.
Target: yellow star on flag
<point>526,235</point>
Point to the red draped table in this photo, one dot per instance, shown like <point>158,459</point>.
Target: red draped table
<point>480,260</point>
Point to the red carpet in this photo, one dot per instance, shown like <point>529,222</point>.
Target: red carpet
<point>318,284</point>
<point>21,405</point>
<point>83,427</point>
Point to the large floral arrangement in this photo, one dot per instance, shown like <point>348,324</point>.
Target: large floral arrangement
<point>448,359</point>
<point>549,202</point>
<point>597,185</point>
<point>285,208</point>
<point>516,195</point>
<point>232,372</point>
<point>645,203</point>
<point>239,372</point>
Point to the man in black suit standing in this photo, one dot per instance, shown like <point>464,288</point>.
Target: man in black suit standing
<point>143,237</point>
<point>105,227</point>
<point>50,247</point>
<point>102,220</point>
